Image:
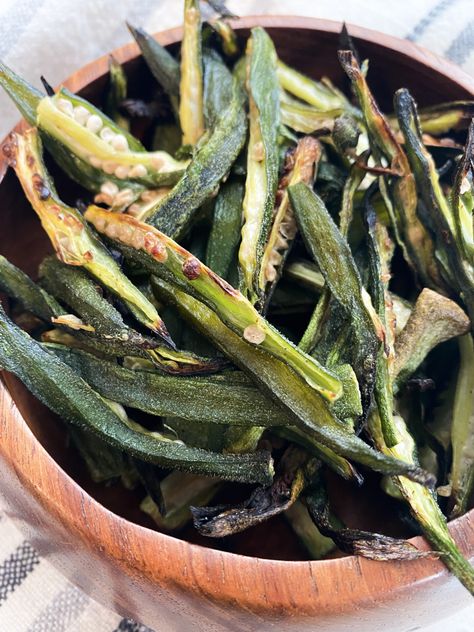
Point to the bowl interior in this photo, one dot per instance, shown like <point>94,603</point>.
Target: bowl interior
<point>25,244</point>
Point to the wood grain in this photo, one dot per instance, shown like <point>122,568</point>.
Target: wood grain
<point>171,584</point>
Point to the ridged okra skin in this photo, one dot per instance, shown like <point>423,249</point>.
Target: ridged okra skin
<point>55,384</point>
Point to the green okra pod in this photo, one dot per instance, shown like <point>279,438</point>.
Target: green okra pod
<point>305,119</point>
<point>24,95</point>
<point>217,87</point>
<point>230,45</point>
<point>462,431</point>
<point>162,256</point>
<point>320,94</point>
<point>16,284</point>
<point>117,93</point>
<point>379,291</point>
<point>262,161</point>
<point>213,399</point>
<point>423,505</point>
<point>445,117</point>
<point>72,239</point>
<point>211,163</point>
<point>162,64</point>
<point>111,335</point>
<point>280,382</point>
<point>462,198</point>
<point>66,394</point>
<point>225,231</point>
<point>334,258</point>
<point>191,108</point>
<point>412,236</point>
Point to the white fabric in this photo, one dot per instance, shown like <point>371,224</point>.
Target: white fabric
<point>55,38</point>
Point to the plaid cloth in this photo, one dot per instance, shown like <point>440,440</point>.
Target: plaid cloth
<point>54,38</point>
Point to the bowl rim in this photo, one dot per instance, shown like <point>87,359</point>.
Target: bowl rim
<point>19,443</point>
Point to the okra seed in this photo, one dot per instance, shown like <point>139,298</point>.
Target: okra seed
<point>106,134</point>
<point>109,188</point>
<point>122,171</point>
<point>157,163</point>
<point>81,115</point>
<point>94,124</point>
<point>100,223</point>
<point>270,273</point>
<point>109,166</point>
<point>465,186</point>
<point>103,198</point>
<point>95,162</point>
<point>134,210</point>
<point>275,258</point>
<point>138,171</point>
<point>65,106</point>
<point>254,334</point>
<point>138,240</point>
<point>124,197</point>
<point>119,142</point>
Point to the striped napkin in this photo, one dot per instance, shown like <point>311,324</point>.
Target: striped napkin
<point>56,37</point>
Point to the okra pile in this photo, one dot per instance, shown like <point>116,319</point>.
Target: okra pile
<point>270,291</point>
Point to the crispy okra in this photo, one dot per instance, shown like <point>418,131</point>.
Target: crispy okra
<point>264,179</point>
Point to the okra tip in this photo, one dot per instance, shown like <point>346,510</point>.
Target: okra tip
<point>349,63</point>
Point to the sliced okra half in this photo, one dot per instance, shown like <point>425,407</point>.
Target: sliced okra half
<point>262,160</point>
<point>71,237</point>
<point>164,257</point>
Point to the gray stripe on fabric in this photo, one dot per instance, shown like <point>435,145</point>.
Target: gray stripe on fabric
<point>460,48</point>
<point>16,568</point>
<point>129,625</point>
<point>15,21</point>
<point>65,608</point>
<point>429,18</point>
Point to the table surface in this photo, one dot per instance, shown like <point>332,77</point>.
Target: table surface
<point>53,38</point>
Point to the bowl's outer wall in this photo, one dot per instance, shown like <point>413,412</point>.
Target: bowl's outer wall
<point>167,583</point>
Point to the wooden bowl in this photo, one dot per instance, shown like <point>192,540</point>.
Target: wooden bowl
<point>100,540</point>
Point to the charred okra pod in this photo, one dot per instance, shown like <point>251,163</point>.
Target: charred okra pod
<point>73,241</point>
<point>300,166</point>
<point>412,236</point>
